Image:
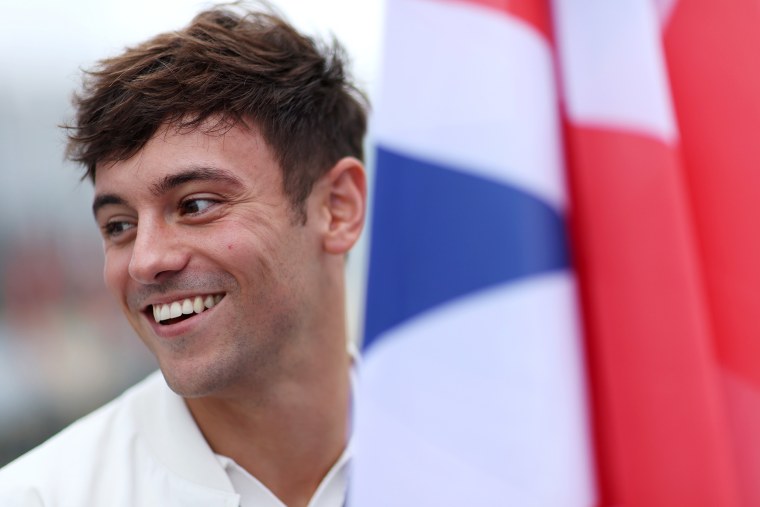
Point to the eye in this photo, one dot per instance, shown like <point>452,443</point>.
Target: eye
<point>195,205</point>
<point>116,228</point>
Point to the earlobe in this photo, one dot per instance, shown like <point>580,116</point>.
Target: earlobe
<point>346,205</point>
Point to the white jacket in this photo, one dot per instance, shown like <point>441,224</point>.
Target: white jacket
<point>141,450</point>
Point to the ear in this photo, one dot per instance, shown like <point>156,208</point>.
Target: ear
<point>345,203</point>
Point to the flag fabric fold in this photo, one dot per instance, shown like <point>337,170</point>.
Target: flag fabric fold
<point>472,388</point>
<point>660,428</point>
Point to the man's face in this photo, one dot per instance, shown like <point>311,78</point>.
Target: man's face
<point>197,225</point>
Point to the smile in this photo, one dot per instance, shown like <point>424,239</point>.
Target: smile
<point>169,313</point>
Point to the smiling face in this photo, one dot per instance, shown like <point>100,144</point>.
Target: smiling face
<point>209,261</point>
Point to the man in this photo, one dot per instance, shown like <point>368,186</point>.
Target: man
<point>226,159</point>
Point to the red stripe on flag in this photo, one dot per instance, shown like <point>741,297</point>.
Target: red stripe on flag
<point>717,98</point>
<point>712,52</point>
<point>743,400</point>
<point>535,13</point>
<point>661,435</point>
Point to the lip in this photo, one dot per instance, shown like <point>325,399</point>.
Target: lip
<point>181,328</point>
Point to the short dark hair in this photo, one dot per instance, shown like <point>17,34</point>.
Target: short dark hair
<point>229,65</point>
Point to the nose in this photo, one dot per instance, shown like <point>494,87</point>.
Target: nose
<point>157,252</point>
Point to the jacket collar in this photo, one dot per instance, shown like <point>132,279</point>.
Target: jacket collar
<point>170,432</point>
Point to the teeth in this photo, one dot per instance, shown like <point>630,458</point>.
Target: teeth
<point>186,306</point>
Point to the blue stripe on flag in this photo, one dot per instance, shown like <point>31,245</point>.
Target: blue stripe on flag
<point>439,233</point>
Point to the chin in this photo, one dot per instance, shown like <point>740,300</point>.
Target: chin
<point>194,380</point>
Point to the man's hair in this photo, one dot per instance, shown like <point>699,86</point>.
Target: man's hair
<point>228,66</point>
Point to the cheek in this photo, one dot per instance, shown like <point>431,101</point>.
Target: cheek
<point>230,245</point>
<point>115,270</point>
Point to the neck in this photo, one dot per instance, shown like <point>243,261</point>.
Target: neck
<point>290,436</point>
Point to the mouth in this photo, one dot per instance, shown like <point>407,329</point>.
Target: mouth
<point>173,312</point>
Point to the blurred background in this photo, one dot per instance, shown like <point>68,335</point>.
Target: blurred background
<point>65,348</point>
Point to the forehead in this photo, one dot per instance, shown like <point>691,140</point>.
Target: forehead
<point>240,150</point>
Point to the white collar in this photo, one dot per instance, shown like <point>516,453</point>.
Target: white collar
<point>169,430</point>
<point>331,491</point>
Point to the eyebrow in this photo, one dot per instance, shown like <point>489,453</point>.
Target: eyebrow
<point>173,181</point>
<point>105,200</point>
<point>170,182</point>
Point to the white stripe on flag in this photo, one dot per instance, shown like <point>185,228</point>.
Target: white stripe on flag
<point>473,88</point>
<point>621,82</point>
<point>478,402</point>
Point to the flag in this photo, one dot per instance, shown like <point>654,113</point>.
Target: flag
<point>661,103</point>
<point>712,59</point>
<point>636,122</point>
<point>472,384</point>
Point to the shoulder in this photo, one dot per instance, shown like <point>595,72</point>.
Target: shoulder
<point>81,456</point>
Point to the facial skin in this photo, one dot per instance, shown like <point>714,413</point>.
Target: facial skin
<point>196,214</point>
